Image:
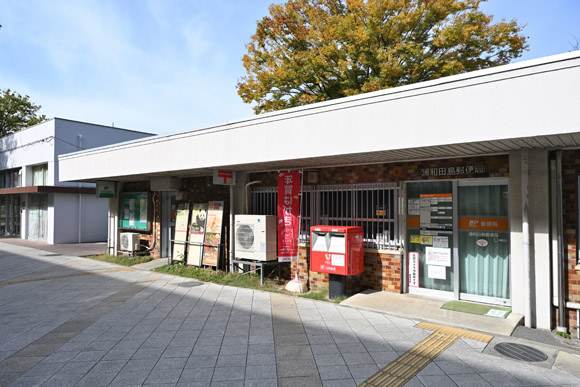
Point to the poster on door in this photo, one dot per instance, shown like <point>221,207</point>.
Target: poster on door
<point>180,236</point>
<point>413,269</point>
<point>289,185</point>
<point>213,233</point>
<point>197,233</point>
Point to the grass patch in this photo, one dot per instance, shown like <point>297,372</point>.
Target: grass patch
<point>120,260</point>
<point>250,281</point>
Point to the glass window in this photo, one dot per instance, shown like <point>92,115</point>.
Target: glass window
<point>40,174</point>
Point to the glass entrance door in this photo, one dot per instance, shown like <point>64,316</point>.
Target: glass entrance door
<point>38,217</point>
<point>484,242</point>
<point>430,224</point>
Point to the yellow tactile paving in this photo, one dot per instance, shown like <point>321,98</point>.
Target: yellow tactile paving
<point>411,362</point>
<point>6,283</point>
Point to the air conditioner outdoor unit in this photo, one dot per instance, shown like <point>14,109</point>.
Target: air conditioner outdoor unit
<point>130,241</point>
<point>256,237</point>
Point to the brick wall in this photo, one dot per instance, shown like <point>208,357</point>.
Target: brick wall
<point>570,172</point>
<point>382,271</point>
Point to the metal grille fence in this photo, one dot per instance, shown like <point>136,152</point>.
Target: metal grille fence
<point>371,206</point>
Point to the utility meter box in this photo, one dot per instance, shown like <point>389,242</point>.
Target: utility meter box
<point>336,250</point>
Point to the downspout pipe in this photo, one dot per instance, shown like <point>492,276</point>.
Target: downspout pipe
<point>562,325</point>
<point>526,241</point>
<point>248,194</point>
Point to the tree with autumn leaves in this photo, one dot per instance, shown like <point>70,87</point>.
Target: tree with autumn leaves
<point>309,51</point>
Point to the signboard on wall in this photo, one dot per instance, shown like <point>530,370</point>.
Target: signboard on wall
<point>224,177</point>
<point>134,211</point>
<point>180,236</point>
<point>413,269</point>
<point>289,184</point>
<point>197,233</point>
<point>213,233</point>
<point>106,190</point>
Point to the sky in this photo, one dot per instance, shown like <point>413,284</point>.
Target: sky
<point>168,66</point>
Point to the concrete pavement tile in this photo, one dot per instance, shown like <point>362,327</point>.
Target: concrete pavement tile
<point>291,339</point>
<point>234,349</point>
<point>561,377</point>
<point>261,348</point>
<point>19,364</point>
<point>129,378</point>
<point>177,352</point>
<point>228,373</point>
<point>28,381</point>
<point>363,371</point>
<point>351,347</point>
<point>533,378</point>
<point>261,338</point>
<point>320,338</point>
<point>196,375</point>
<point>304,381</point>
<point>287,352</point>
<point>119,354</point>
<point>159,376</point>
<point>199,350</point>
<point>499,379</point>
<point>106,366</point>
<point>139,365</point>
<point>414,382</point>
<point>97,379</point>
<point>296,368</point>
<point>377,346</point>
<point>101,345</point>
<point>357,358</point>
<point>148,353</point>
<point>231,360</point>
<point>236,340</point>
<point>331,372</point>
<point>208,341</point>
<point>454,367</point>
<point>437,381</point>
<point>261,372</point>
<point>39,349</point>
<point>170,363</point>
<point>327,359</point>
<point>59,356</point>
<point>469,380</point>
<point>383,358</point>
<point>261,383</point>
<point>431,369</point>
<point>77,367</point>
<point>227,383</point>
<point>339,383</point>
<point>324,348</point>
<point>192,384</point>
<point>89,356</point>
<point>63,380</point>
<point>45,369</point>
<point>201,361</point>
<point>261,359</point>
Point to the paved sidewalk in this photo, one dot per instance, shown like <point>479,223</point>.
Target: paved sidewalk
<point>68,321</point>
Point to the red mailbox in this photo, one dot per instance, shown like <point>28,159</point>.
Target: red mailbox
<point>336,250</point>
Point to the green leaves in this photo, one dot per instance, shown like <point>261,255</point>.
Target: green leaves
<point>309,51</point>
<point>17,112</point>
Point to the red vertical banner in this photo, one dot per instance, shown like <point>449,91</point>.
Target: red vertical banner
<point>288,215</point>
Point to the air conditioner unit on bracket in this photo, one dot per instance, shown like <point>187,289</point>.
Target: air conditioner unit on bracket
<point>130,241</point>
<point>256,237</point>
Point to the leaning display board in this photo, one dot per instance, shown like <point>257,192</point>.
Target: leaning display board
<point>213,233</point>
<point>134,211</point>
<point>197,233</point>
<point>180,236</point>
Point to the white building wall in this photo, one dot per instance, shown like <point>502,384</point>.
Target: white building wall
<point>31,146</point>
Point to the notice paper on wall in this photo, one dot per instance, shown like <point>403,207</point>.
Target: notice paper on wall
<point>413,270</point>
<point>436,272</point>
<point>441,241</point>
<point>437,256</point>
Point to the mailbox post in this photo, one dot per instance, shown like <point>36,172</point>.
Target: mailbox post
<point>338,251</point>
